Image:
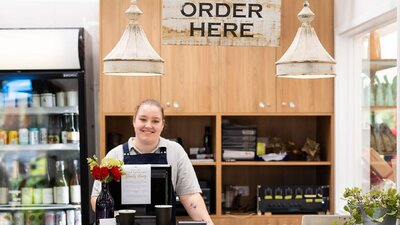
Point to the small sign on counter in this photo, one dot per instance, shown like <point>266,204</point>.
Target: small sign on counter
<point>136,184</point>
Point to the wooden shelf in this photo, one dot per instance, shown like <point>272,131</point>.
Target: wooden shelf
<point>377,65</point>
<point>276,163</point>
<point>382,107</point>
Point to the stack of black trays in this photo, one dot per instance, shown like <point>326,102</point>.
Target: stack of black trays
<point>239,142</point>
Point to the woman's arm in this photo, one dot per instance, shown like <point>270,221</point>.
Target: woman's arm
<point>93,202</point>
<point>195,207</point>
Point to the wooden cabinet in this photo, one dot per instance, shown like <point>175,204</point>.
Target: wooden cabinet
<point>305,96</point>
<point>246,79</point>
<point>257,220</point>
<point>190,84</point>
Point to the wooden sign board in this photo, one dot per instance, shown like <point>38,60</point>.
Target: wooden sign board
<point>228,22</point>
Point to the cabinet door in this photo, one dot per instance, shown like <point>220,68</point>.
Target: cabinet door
<point>295,95</point>
<point>190,83</point>
<point>122,94</point>
<point>247,79</point>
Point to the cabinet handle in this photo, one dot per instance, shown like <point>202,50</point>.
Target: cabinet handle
<point>292,104</point>
<point>284,104</point>
<point>168,104</point>
<point>262,104</point>
<point>176,104</point>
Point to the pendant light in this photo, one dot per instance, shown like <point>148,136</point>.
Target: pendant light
<point>306,58</point>
<point>133,55</point>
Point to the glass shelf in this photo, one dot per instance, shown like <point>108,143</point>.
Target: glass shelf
<point>40,147</point>
<point>38,207</point>
<point>39,110</point>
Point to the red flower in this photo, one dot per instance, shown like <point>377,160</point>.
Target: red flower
<point>104,172</point>
<point>96,172</point>
<point>115,173</point>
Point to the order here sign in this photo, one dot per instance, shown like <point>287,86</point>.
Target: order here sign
<point>223,22</point>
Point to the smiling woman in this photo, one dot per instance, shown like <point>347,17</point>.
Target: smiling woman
<point>148,147</point>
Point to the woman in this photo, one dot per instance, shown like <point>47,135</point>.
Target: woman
<point>148,123</point>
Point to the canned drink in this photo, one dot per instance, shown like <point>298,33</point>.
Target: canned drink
<point>78,217</point>
<point>50,218</point>
<point>19,218</point>
<point>46,100</point>
<point>23,136</point>
<point>70,217</point>
<point>61,218</point>
<point>60,99</point>
<point>3,137</point>
<point>34,217</point>
<point>33,136</point>
<point>43,135</point>
<point>13,137</point>
<point>3,195</point>
<point>35,102</point>
<point>5,218</point>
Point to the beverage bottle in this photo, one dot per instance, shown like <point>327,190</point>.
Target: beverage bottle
<point>65,128</point>
<point>47,192</point>
<point>3,186</point>
<point>72,130</point>
<point>74,185</point>
<point>27,186</point>
<point>15,182</point>
<point>38,191</point>
<point>53,136</point>
<point>207,140</point>
<point>61,190</point>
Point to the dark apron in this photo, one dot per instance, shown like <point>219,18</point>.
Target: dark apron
<point>150,158</point>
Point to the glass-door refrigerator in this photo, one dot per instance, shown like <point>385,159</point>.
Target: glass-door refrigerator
<point>43,147</point>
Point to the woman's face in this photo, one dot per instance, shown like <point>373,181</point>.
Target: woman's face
<point>148,124</point>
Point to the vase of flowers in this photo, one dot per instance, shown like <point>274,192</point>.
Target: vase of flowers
<point>106,171</point>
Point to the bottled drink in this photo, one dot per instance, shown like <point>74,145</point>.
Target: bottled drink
<point>47,192</point>
<point>71,129</point>
<point>15,182</point>
<point>61,191</point>
<point>38,191</point>
<point>207,140</point>
<point>66,126</point>
<point>27,186</point>
<point>3,186</point>
<point>74,185</point>
<point>53,136</point>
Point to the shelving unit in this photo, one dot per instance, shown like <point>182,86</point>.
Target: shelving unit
<point>219,173</point>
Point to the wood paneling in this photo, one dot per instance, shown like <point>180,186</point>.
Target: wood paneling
<point>190,83</point>
<point>307,95</point>
<point>122,94</point>
<point>247,79</point>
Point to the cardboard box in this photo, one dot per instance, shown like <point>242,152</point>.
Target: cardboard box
<point>380,166</point>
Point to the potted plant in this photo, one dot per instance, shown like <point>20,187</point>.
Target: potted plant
<point>373,207</point>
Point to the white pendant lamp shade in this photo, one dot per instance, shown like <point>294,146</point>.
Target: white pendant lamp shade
<point>133,55</point>
<point>306,58</point>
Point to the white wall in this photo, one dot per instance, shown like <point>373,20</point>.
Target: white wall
<point>352,18</point>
